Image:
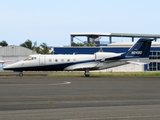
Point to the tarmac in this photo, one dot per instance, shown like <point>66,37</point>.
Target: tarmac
<point>79,98</point>
<point>26,73</point>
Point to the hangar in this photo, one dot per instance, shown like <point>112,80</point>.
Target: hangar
<point>14,53</point>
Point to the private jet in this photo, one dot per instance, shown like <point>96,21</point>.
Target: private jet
<point>137,54</point>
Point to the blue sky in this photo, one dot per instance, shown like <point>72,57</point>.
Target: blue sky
<point>52,21</point>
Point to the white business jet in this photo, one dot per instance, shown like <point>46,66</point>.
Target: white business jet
<point>138,54</point>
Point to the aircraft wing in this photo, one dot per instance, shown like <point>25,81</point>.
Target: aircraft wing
<point>81,66</point>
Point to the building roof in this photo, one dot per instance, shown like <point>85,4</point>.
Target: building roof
<point>117,35</point>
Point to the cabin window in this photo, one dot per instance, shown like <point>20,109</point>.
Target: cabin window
<point>62,60</point>
<point>50,60</point>
<point>68,60</point>
<point>56,60</point>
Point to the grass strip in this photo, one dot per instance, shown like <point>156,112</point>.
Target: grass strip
<point>106,74</point>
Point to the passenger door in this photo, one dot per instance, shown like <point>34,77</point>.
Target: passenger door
<point>42,60</point>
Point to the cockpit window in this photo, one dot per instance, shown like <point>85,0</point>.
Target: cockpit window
<point>30,58</point>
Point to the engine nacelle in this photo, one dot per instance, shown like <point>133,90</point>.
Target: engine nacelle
<point>104,55</point>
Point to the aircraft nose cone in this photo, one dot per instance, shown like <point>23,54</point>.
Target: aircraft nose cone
<point>5,68</point>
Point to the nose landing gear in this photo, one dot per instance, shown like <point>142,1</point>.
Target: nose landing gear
<point>21,74</point>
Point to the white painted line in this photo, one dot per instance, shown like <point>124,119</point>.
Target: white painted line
<point>64,83</point>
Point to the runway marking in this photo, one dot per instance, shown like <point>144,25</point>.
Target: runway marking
<point>64,83</point>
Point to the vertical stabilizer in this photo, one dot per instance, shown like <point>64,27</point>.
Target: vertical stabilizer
<point>140,49</point>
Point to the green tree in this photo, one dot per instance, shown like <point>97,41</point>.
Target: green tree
<point>90,44</point>
<point>76,44</point>
<point>28,44</point>
<point>3,43</point>
<point>44,49</point>
<point>37,49</point>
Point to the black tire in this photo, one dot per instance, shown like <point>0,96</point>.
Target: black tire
<point>87,75</point>
<point>20,74</point>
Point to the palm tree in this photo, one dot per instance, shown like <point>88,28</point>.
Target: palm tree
<point>44,49</point>
<point>3,43</point>
<point>28,44</point>
<point>37,49</point>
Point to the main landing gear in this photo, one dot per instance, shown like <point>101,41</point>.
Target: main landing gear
<point>87,73</point>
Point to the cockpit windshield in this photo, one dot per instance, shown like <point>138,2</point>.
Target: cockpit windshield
<point>30,58</point>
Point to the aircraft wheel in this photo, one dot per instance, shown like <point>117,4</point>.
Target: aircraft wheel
<point>20,74</point>
<point>87,73</point>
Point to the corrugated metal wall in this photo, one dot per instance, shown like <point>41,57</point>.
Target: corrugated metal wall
<point>15,51</point>
<point>127,68</point>
<point>13,54</point>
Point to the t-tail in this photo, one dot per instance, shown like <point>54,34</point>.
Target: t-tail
<point>141,49</point>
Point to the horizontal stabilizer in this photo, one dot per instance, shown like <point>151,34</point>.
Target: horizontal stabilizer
<point>137,63</point>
